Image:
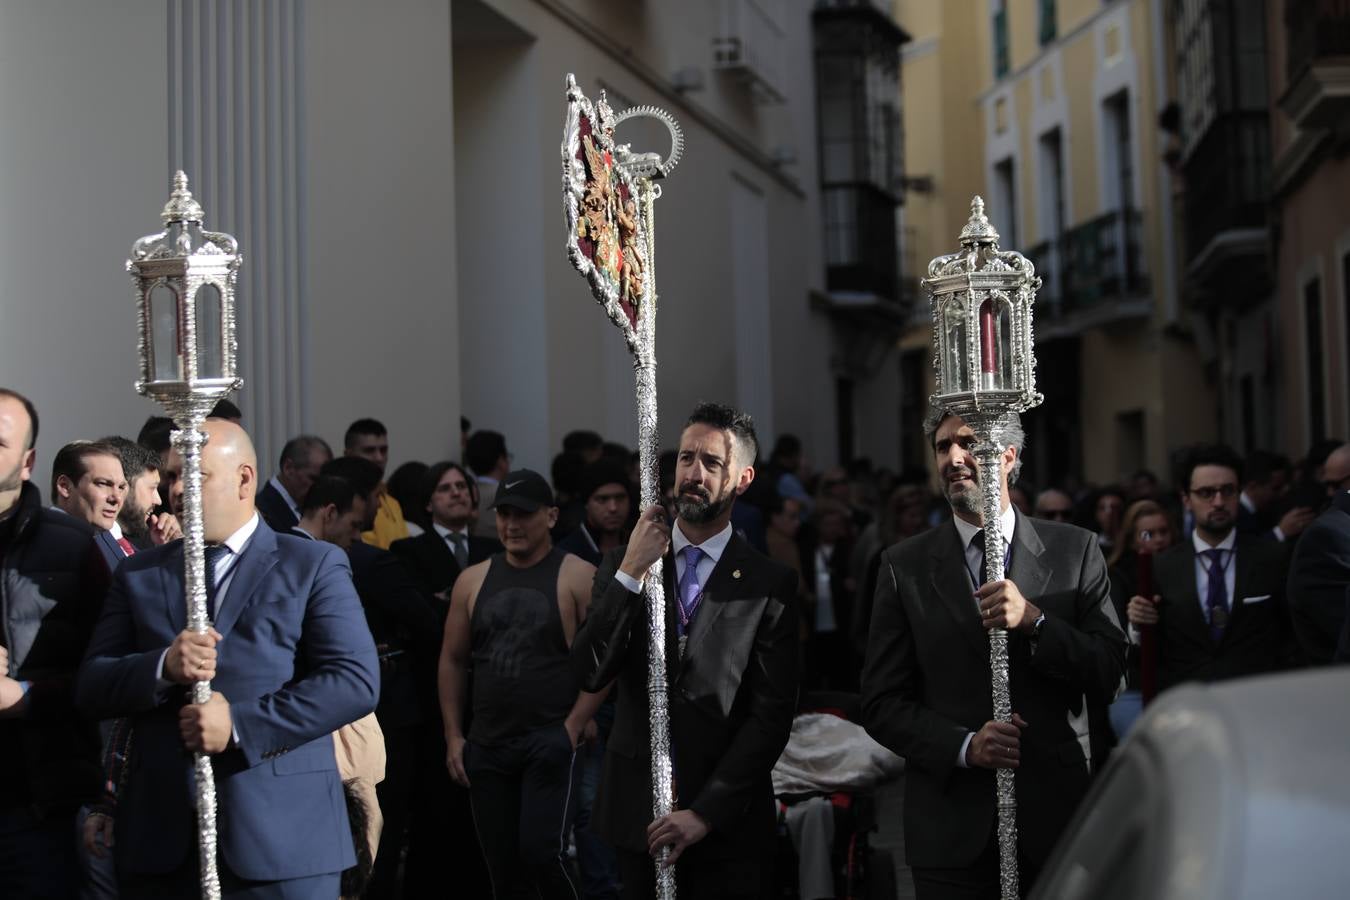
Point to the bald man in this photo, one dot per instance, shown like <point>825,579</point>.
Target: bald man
<point>1319,574</point>
<point>290,659</point>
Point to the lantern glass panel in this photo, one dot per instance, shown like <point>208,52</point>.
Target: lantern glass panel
<point>210,346</point>
<point>1003,321</point>
<point>996,372</point>
<point>955,346</point>
<point>165,351</point>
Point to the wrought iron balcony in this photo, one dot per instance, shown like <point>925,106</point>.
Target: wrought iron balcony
<point>1317,63</point>
<point>860,242</point>
<point>1092,266</point>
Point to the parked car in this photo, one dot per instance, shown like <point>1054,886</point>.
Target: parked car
<point>1231,791</point>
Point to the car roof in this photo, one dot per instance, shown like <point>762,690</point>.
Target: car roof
<point>1231,790</point>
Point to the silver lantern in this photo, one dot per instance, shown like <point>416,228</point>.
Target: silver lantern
<point>185,280</point>
<point>986,374</point>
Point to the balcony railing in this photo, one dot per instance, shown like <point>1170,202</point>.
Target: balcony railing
<point>1227,179</point>
<point>1315,29</point>
<point>860,247</point>
<point>1092,264</point>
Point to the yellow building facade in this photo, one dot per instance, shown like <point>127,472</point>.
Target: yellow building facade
<point>1049,111</point>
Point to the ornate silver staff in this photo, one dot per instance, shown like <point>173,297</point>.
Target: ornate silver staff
<point>608,198</point>
<point>185,279</point>
<point>986,374</point>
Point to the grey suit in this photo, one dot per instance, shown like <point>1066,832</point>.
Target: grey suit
<point>926,685</point>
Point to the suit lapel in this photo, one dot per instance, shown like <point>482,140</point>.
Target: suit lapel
<point>171,580</point>
<point>1242,579</point>
<point>258,558</point>
<point>1184,602</point>
<point>952,586</point>
<point>443,558</point>
<point>719,589</point>
<point>1028,568</point>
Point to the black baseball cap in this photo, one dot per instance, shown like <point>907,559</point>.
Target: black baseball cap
<point>523,489</point>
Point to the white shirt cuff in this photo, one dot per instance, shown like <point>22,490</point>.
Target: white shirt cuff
<point>162,683</point>
<point>1279,535</point>
<point>628,581</point>
<point>1135,637</point>
<point>961,756</point>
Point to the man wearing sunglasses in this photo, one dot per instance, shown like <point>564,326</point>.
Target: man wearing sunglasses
<point>1320,572</point>
<point>1220,608</point>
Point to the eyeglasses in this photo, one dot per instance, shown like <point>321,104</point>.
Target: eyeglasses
<point>1207,494</point>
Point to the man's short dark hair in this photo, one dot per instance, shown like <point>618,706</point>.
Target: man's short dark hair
<point>600,473</point>
<point>136,459</point>
<point>405,486</point>
<point>581,441</point>
<point>329,489</point>
<point>363,474</point>
<point>363,428</point>
<point>155,434</point>
<point>724,418</point>
<point>29,408</point>
<point>1206,455</point>
<point>483,451</point>
<point>226,409</point>
<point>1261,465</point>
<point>566,472</point>
<point>298,449</point>
<point>786,447</point>
<point>70,460</point>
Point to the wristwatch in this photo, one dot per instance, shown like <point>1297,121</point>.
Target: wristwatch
<point>1037,626</point>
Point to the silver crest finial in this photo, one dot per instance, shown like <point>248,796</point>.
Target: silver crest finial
<point>182,206</point>
<point>978,230</point>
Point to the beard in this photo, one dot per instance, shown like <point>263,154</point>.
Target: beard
<point>967,499</point>
<point>701,509</point>
<point>133,522</point>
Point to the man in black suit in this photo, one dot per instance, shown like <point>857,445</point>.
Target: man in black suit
<point>436,557</point>
<point>1263,510</point>
<point>1320,572</point>
<point>280,499</point>
<point>927,684</point>
<point>1219,611</point>
<point>731,624</point>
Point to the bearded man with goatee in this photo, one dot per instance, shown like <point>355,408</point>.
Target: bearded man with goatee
<point>731,661</point>
<point>927,692</point>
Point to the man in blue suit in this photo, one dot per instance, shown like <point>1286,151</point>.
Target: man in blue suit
<point>291,661</point>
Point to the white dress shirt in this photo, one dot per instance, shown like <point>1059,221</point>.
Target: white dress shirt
<point>446,532</point>
<point>974,555</point>
<point>712,548</point>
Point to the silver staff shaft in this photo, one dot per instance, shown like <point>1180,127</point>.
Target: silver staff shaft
<point>989,457</point>
<point>658,692</point>
<point>188,441</point>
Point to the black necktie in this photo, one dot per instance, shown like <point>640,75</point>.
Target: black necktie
<point>460,547</point>
<point>215,554</point>
<point>978,542</point>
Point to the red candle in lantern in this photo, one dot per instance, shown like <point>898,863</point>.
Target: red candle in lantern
<point>1148,640</point>
<point>987,354</point>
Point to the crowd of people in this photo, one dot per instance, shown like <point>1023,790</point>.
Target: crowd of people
<point>433,681</point>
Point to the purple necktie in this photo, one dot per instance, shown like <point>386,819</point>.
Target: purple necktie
<point>1216,600</point>
<point>691,592</point>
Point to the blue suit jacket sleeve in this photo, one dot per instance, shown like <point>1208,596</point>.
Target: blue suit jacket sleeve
<point>340,680</point>
<point>114,679</point>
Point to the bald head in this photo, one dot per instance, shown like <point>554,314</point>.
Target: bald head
<point>1054,504</point>
<point>1336,470</point>
<point>229,479</point>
